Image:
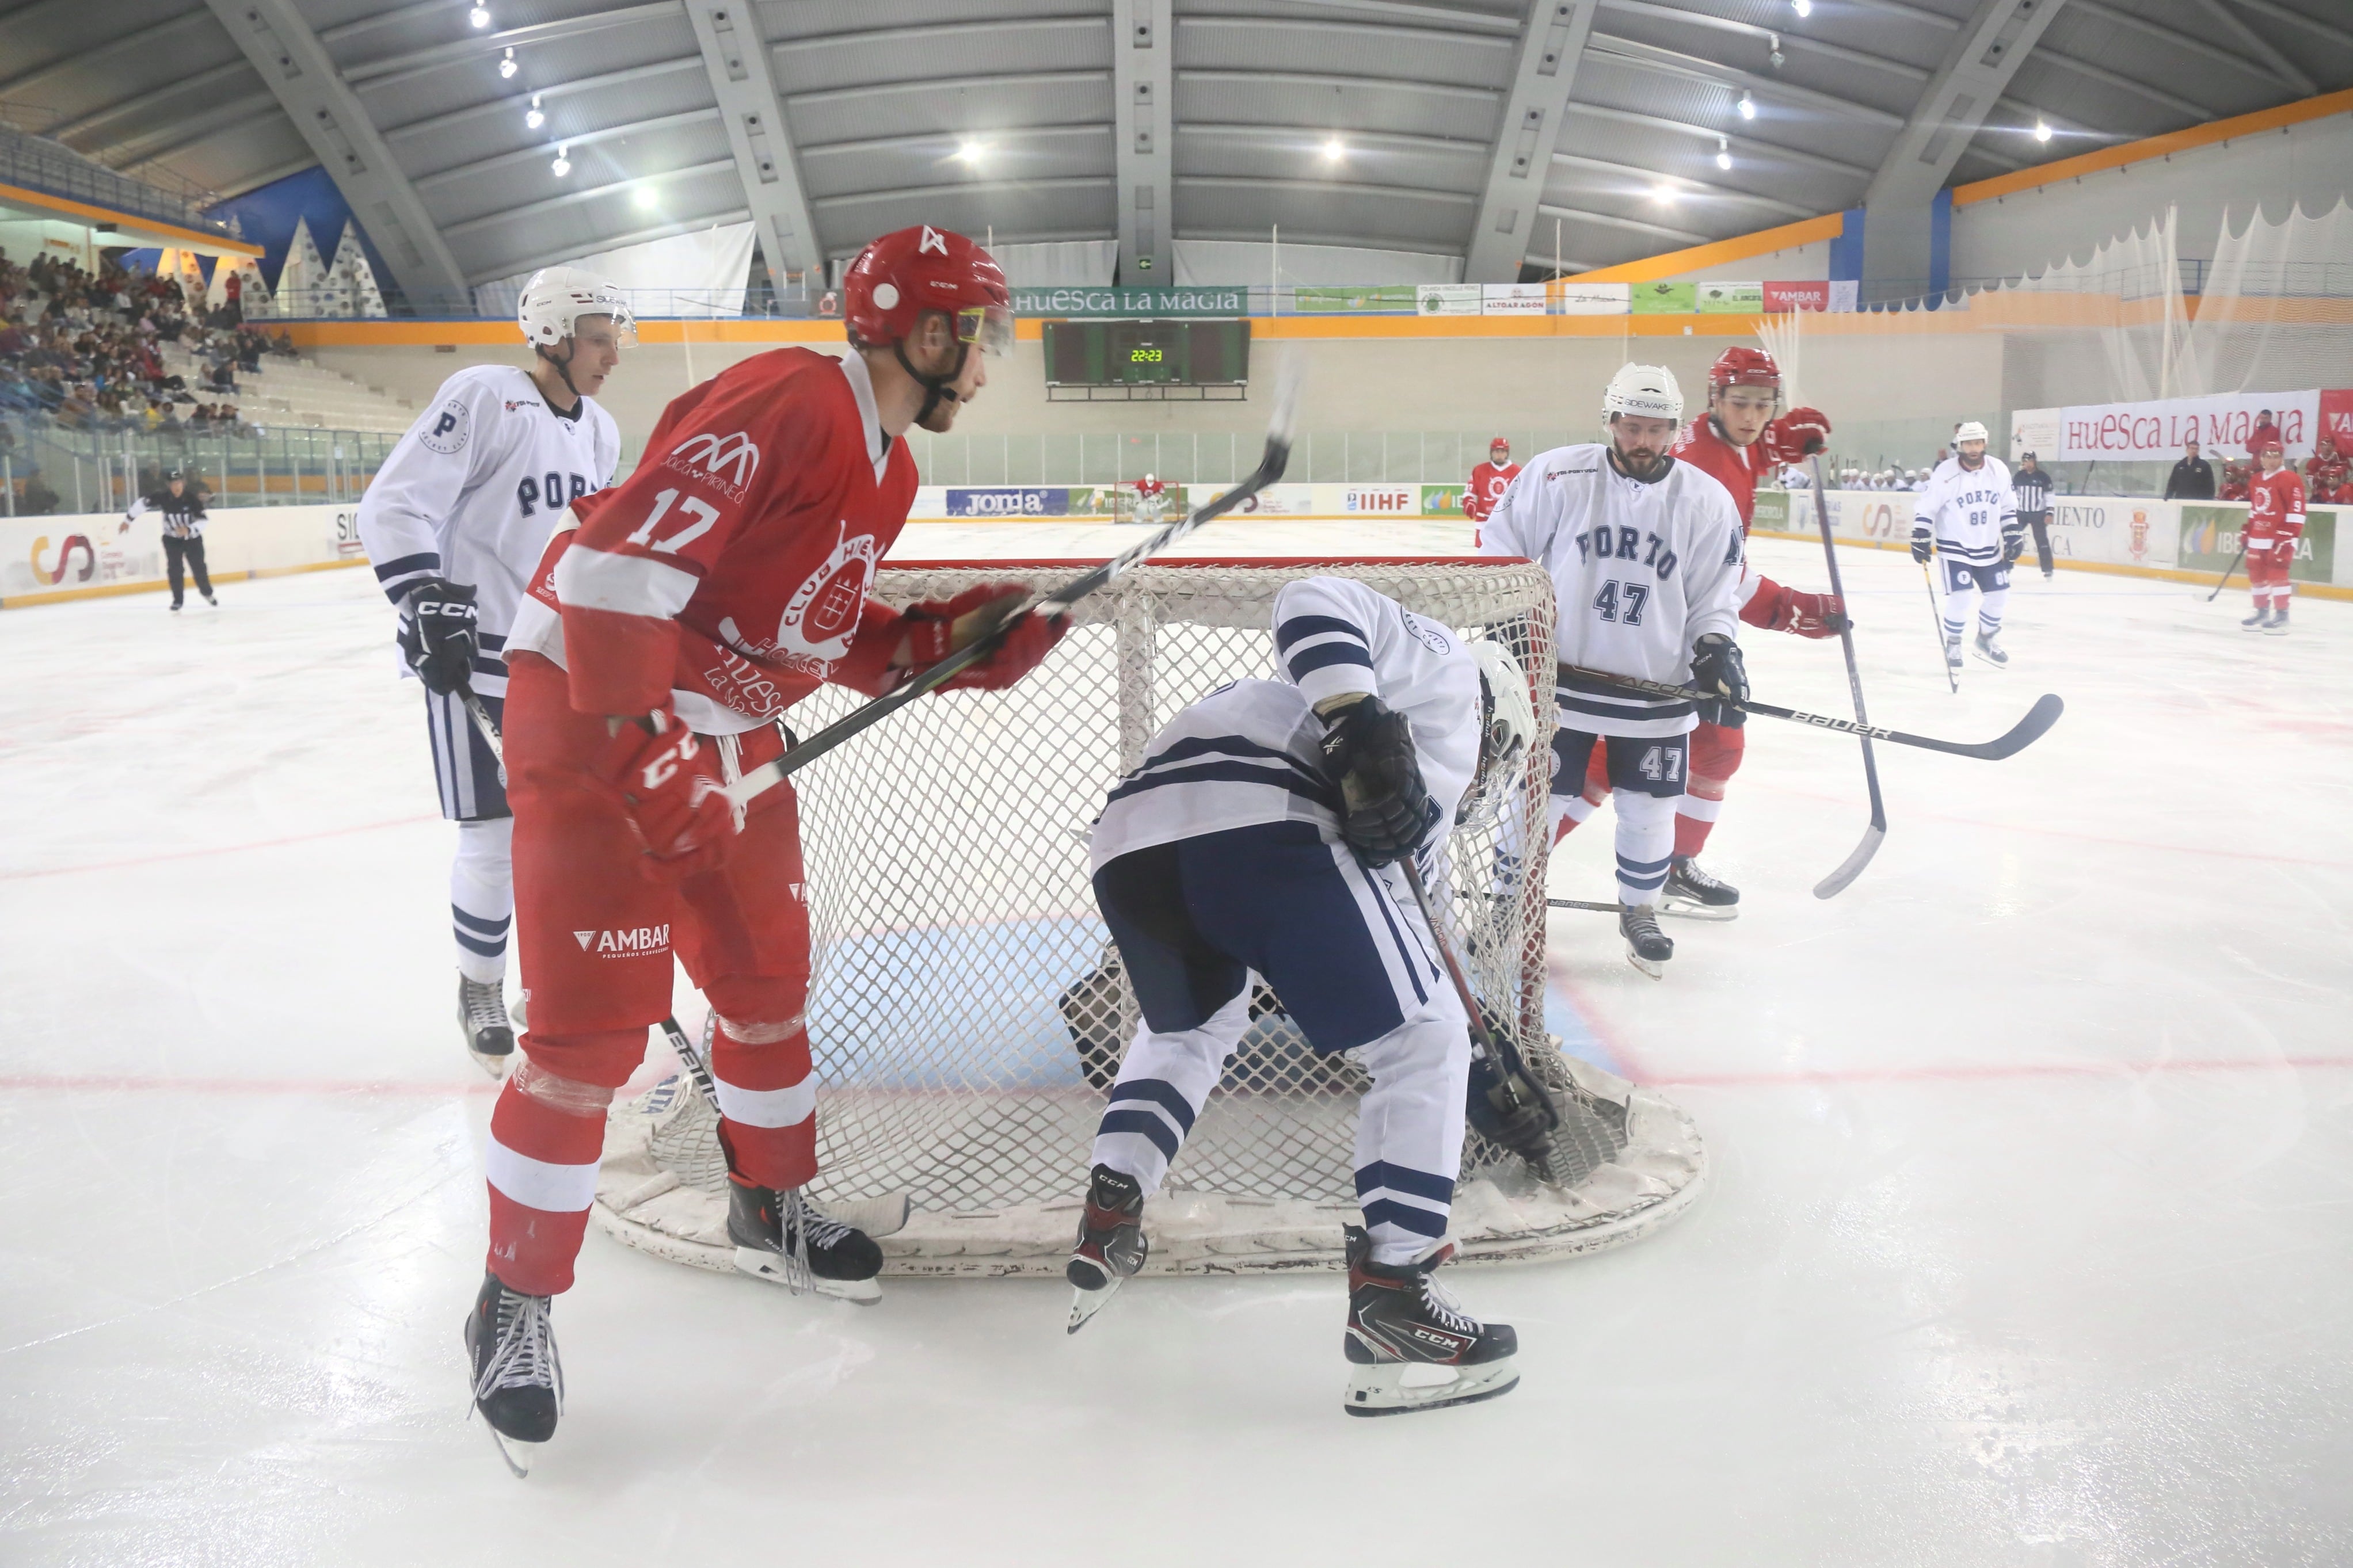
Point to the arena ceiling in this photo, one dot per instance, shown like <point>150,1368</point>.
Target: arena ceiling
<point>1384,123</point>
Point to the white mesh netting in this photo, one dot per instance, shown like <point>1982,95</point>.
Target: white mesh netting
<point>968,1011</point>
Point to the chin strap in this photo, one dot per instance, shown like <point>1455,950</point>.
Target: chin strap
<point>935,387</point>
<point>563,368</point>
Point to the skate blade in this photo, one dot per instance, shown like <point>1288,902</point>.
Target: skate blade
<point>1382,1389</point>
<point>1698,911</point>
<point>519,1455</point>
<point>1989,659</point>
<point>762,1265</point>
<point>497,1066</point>
<point>1656,968</point>
<point>1085,1304</point>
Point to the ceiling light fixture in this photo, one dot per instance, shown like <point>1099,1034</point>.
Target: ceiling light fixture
<point>562,164</point>
<point>970,149</point>
<point>1747,107</point>
<point>648,197</point>
<point>1334,150</point>
<point>533,117</point>
<point>507,65</point>
<point>1724,153</point>
<point>1803,7</point>
<point>1774,54</point>
<point>1663,193</point>
<point>2043,131</point>
<point>480,16</point>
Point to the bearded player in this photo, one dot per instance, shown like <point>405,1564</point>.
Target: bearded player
<point>672,619</point>
<point>1739,441</point>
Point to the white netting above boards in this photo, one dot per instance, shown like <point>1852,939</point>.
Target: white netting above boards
<point>968,1011</point>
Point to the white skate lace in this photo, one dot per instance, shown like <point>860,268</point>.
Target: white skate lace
<point>1441,1304</point>
<point>486,1006</point>
<point>525,1356</point>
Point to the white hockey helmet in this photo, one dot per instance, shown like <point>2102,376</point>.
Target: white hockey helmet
<point>557,296</point>
<point>1508,725</point>
<point>1645,390</point>
<point>1970,431</point>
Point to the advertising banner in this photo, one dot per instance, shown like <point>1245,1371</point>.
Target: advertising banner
<point>2121,530</point>
<point>1009,501</point>
<point>1390,500</point>
<point>2153,432</point>
<point>1784,296</point>
<point>1719,298</point>
<point>1441,500</point>
<point>2209,541</point>
<point>1846,293</point>
<point>1447,299</point>
<point>2336,419</point>
<point>1573,298</point>
<point>1512,298</point>
<point>1276,500</point>
<point>2035,431</point>
<point>1147,304</point>
<point>1665,298</point>
<point>1385,298</point>
<point>50,554</point>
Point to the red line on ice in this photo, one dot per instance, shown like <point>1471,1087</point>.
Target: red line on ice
<point>219,849</point>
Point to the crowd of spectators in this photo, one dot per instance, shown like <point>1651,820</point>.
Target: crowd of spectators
<point>83,351</point>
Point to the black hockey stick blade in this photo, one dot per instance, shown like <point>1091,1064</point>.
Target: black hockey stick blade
<point>2224,581</point>
<point>1284,416</point>
<point>1598,909</point>
<point>1834,884</point>
<point>2024,733</point>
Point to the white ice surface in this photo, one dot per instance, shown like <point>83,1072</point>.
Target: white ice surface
<point>2028,1241</point>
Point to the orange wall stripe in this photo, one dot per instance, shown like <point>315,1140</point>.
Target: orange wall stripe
<point>2207,135</point>
<point>1764,242</point>
<point>189,238</point>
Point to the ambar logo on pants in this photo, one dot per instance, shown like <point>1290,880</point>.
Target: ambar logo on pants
<point>639,941</point>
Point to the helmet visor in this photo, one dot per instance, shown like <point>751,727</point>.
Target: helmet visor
<point>990,326</point>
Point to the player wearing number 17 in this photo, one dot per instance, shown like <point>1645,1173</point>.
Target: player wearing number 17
<point>672,619</point>
<point>1645,557</point>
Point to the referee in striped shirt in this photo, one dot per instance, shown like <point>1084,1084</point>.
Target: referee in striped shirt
<point>2032,486</point>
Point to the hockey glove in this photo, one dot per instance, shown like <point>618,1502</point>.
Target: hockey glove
<point>2013,543</point>
<point>1716,668</point>
<point>667,783</point>
<point>936,628</point>
<point>1922,545</point>
<point>1815,614</point>
<point>1385,806</point>
<point>439,637</point>
<point>1796,435</point>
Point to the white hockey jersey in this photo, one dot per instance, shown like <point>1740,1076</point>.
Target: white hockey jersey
<point>1251,750</point>
<point>1967,510</point>
<point>1642,570</point>
<point>473,491</point>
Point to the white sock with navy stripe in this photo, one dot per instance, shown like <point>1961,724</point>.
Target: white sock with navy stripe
<point>1409,1133</point>
<point>1646,844</point>
<point>481,898</point>
<point>1163,1084</point>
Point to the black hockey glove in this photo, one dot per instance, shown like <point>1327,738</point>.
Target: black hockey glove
<point>1716,668</point>
<point>1385,810</point>
<point>438,638</point>
<point>1922,545</point>
<point>2013,543</point>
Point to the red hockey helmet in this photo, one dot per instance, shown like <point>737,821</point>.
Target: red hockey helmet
<point>1743,367</point>
<point>1499,445</point>
<point>900,276</point>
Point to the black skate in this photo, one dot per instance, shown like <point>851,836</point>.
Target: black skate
<point>784,1238</point>
<point>1989,648</point>
<point>2257,621</point>
<point>1111,1246</point>
<point>1399,1318</point>
<point>2277,626</point>
<point>1692,894</point>
<point>482,1019</point>
<point>518,1382</point>
<point>1647,947</point>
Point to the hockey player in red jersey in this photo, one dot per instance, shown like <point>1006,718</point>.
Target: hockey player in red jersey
<point>2325,470</point>
<point>2274,522</point>
<point>1738,441</point>
<point>671,620</point>
<point>1489,481</point>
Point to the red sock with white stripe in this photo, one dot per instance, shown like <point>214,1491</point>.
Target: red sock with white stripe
<point>542,1165</point>
<point>767,1105</point>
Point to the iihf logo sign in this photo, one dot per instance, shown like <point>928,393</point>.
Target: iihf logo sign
<point>713,458</point>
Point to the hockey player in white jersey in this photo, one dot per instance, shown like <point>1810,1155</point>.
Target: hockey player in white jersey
<point>1967,516</point>
<point>455,523</point>
<point>1260,837</point>
<point>1645,553</point>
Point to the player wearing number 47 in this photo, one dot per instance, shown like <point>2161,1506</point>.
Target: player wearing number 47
<point>1261,834</point>
<point>454,524</point>
<point>673,620</point>
<point>1645,557</point>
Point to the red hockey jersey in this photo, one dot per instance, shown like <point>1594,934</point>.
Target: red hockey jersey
<point>729,574</point>
<point>1763,601</point>
<point>2275,504</point>
<point>1487,486</point>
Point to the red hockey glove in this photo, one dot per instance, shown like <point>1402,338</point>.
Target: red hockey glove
<point>668,783</point>
<point>1796,435</point>
<point>935,629</point>
<point>1815,614</point>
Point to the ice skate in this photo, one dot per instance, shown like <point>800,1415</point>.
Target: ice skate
<point>1647,947</point>
<point>787,1240</point>
<point>2256,622</point>
<point>1952,653</point>
<point>175,606</point>
<point>1989,648</point>
<point>1410,1345</point>
<point>2277,626</point>
<point>1111,1246</point>
<point>482,1019</point>
<point>1692,894</point>
<point>517,1380</point>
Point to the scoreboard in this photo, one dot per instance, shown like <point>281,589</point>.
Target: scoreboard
<point>1148,353</point>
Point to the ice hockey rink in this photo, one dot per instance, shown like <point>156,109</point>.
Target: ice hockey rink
<point>2025,1239</point>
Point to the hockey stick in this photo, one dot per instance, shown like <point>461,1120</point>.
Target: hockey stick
<point>1834,884</point>
<point>767,775</point>
<point>2233,566</point>
<point>1602,909</point>
<point>1936,624</point>
<point>2024,733</point>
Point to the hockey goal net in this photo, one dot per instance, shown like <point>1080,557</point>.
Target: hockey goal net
<point>968,1010</point>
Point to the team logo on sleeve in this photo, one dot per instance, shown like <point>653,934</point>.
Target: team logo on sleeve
<point>725,462</point>
<point>453,423</point>
<point>1429,636</point>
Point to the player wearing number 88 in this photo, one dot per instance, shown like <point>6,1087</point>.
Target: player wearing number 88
<point>1645,553</point>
